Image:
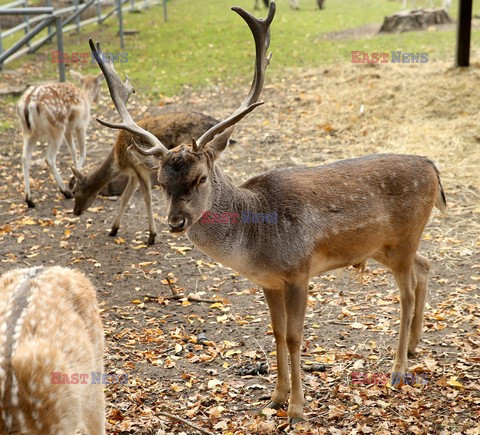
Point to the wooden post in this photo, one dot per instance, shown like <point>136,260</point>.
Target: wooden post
<point>463,32</point>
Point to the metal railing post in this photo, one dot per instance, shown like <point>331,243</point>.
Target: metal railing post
<point>61,64</point>
<point>26,19</point>
<point>77,18</point>
<point>1,47</point>
<point>99,11</point>
<point>50,31</point>
<point>120,22</point>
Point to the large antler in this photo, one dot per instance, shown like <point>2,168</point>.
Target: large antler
<point>261,33</point>
<point>120,93</point>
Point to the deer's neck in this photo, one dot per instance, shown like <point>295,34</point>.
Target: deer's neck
<point>229,198</point>
<point>102,175</point>
<point>89,96</point>
<point>227,242</point>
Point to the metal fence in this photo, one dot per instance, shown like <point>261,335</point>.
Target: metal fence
<point>58,21</point>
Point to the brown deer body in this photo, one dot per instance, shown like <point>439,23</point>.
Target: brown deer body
<point>49,323</point>
<point>57,112</point>
<point>327,217</point>
<point>171,129</point>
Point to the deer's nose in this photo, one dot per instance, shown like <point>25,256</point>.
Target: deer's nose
<point>176,224</point>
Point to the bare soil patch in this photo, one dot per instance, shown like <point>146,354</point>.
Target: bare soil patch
<point>311,117</point>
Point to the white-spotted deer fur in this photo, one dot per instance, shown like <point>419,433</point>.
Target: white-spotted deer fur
<point>49,323</point>
<point>58,112</point>
<point>327,217</point>
<point>170,129</point>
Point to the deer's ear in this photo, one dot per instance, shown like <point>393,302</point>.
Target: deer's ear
<point>76,75</point>
<point>220,142</point>
<point>77,174</point>
<point>152,163</point>
<point>100,77</point>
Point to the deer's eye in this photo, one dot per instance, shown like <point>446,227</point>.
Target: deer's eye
<point>202,180</point>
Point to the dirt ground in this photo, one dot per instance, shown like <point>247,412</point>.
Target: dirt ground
<point>186,358</point>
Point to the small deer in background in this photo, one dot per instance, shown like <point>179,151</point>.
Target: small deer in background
<point>445,4</point>
<point>49,324</point>
<point>58,112</point>
<point>329,217</point>
<point>294,4</point>
<point>171,129</point>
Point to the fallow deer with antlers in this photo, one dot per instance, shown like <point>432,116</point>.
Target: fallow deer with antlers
<point>57,111</point>
<point>51,340</point>
<point>329,217</point>
<point>171,129</point>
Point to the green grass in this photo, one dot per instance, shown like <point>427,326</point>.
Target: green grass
<point>5,125</point>
<point>204,42</point>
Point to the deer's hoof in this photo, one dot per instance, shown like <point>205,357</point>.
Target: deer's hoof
<point>67,194</point>
<point>30,203</point>
<point>293,421</point>
<point>412,354</point>
<point>274,405</point>
<point>113,232</point>
<point>151,239</point>
<point>397,379</point>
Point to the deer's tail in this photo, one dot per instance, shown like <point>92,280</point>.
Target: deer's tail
<point>441,201</point>
<point>24,109</point>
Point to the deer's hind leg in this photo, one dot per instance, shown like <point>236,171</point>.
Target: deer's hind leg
<point>80,134</point>
<point>29,142</point>
<point>55,139</point>
<point>401,261</point>
<point>422,267</point>
<point>71,147</point>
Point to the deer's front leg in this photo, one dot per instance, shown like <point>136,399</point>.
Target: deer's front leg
<point>295,304</point>
<point>72,148</point>
<point>276,305</point>
<point>82,148</point>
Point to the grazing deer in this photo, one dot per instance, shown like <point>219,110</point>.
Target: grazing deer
<point>170,129</point>
<point>329,217</point>
<point>49,325</point>
<point>257,4</point>
<point>294,4</point>
<point>57,111</point>
<point>445,4</point>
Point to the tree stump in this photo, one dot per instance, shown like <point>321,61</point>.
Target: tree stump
<point>415,19</point>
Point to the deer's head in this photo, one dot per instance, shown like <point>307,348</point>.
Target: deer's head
<point>187,177</point>
<point>91,84</point>
<point>82,192</point>
<point>187,172</point>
